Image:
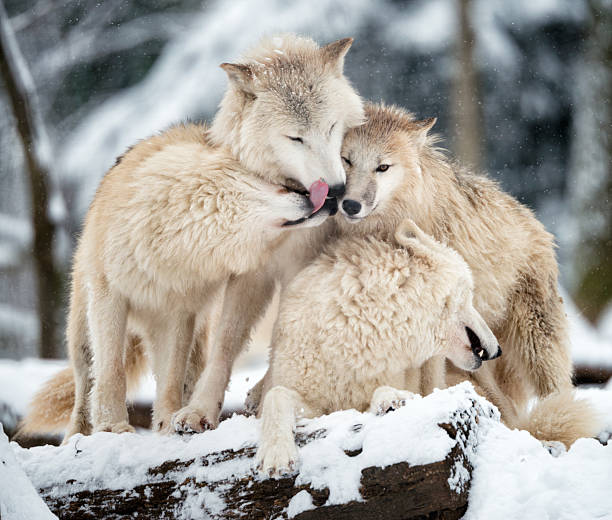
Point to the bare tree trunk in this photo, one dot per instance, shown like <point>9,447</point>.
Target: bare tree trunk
<point>22,97</point>
<point>591,177</point>
<point>465,107</point>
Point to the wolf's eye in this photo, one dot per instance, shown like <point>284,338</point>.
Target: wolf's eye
<point>382,168</point>
<point>331,129</point>
<point>296,139</point>
<point>348,163</point>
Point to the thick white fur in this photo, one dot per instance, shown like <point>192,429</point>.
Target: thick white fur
<point>510,254</point>
<point>512,261</point>
<point>285,87</point>
<point>375,309</point>
<point>190,218</point>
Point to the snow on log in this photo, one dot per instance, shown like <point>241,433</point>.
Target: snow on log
<point>415,462</point>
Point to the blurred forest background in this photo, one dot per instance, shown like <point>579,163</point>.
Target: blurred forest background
<point>521,90</point>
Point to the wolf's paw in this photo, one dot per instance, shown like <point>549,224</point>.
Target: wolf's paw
<point>120,427</point>
<point>251,403</point>
<point>277,460</point>
<point>191,420</point>
<point>386,399</point>
<point>162,423</point>
<point>555,448</point>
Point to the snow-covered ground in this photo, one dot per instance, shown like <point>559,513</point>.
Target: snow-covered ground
<point>514,476</point>
<point>122,462</point>
<point>18,498</point>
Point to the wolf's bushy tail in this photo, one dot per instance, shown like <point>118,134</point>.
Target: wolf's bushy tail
<point>50,408</point>
<point>561,417</point>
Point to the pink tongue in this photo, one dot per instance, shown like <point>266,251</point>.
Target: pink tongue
<point>318,193</point>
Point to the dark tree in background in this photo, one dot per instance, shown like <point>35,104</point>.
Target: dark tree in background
<point>464,103</point>
<point>500,77</point>
<point>22,96</point>
<point>591,183</point>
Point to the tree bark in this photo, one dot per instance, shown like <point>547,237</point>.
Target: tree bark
<point>465,107</point>
<point>399,491</point>
<point>22,97</point>
<point>591,178</point>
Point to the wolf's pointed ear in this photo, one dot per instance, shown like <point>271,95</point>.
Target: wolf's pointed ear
<point>404,232</point>
<point>422,129</point>
<point>334,52</point>
<point>240,76</point>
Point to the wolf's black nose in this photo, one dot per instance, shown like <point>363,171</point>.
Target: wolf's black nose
<point>337,190</point>
<point>351,207</point>
<point>331,205</point>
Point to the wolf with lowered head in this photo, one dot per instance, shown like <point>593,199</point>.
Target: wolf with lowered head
<point>184,214</point>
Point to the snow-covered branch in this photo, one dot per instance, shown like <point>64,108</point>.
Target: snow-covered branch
<point>414,462</point>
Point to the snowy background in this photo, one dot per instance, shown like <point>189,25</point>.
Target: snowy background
<point>109,73</point>
<point>539,119</point>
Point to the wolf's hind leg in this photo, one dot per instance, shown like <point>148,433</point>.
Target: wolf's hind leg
<point>254,396</point>
<point>107,316</point>
<point>536,334</point>
<point>277,454</point>
<point>246,298</point>
<point>80,358</point>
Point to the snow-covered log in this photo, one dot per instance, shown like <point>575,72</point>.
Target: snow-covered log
<point>414,462</point>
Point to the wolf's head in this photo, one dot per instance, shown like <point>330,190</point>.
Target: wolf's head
<point>462,334</point>
<point>381,158</point>
<point>286,111</point>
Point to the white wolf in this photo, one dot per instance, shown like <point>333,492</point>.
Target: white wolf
<point>193,214</point>
<point>375,310</point>
<point>395,171</point>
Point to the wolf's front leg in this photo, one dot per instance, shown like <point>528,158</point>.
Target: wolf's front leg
<point>387,398</point>
<point>433,375</point>
<point>277,454</point>
<point>107,315</point>
<point>171,353</point>
<point>246,299</point>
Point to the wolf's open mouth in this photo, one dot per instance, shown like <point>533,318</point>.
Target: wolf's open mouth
<point>296,187</point>
<point>316,194</point>
<point>330,205</point>
<point>476,345</point>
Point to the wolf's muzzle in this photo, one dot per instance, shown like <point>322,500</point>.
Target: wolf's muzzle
<point>477,348</point>
<point>351,207</point>
<point>337,190</point>
<point>331,205</point>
